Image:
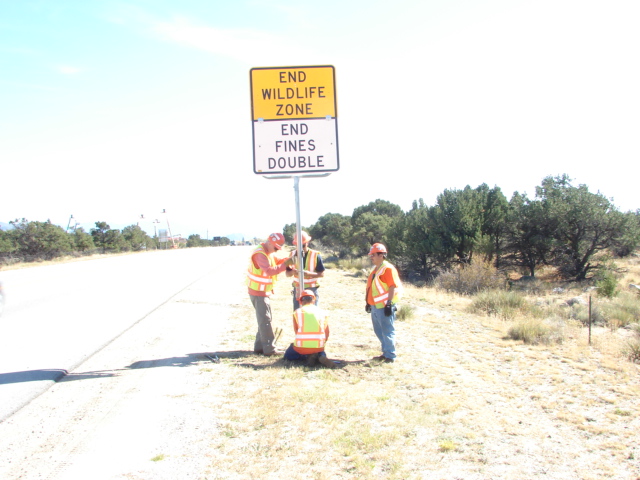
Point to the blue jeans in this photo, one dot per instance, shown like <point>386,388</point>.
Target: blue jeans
<point>291,354</point>
<point>384,330</point>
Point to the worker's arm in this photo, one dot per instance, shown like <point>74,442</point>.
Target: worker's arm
<point>392,291</point>
<point>307,273</point>
<point>310,274</point>
<point>262,263</point>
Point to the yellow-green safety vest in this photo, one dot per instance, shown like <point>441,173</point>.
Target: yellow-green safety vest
<point>312,323</point>
<point>256,278</point>
<point>380,290</point>
<point>310,264</point>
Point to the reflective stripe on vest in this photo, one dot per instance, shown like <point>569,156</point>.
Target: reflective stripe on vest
<point>256,279</point>
<point>380,290</point>
<point>311,262</point>
<point>311,328</point>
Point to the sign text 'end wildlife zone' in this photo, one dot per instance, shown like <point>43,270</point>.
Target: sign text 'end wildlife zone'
<point>294,117</point>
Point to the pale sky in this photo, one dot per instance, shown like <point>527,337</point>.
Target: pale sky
<point>112,109</point>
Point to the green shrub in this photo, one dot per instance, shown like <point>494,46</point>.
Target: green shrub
<point>405,312</point>
<point>607,284</point>
<point>501,303</point>
<point>471,279</point>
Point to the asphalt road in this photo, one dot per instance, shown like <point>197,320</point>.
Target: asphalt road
<point>57,316</point>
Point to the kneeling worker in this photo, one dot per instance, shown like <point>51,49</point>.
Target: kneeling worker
<point>312,331</point>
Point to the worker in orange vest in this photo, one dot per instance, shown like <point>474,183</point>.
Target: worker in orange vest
<point>313,270</point>
<point>383,292</point>
<point>312,332</point>
<point>262,274</point>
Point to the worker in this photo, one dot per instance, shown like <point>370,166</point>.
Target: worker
<point>263,270</point>
<point>311,332</point>
<point>383,292</point>
<point>313,270</point>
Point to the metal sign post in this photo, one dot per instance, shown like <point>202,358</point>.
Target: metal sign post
<point>296,187</point>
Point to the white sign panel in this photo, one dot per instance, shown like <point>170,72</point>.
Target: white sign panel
<point>304,146</point>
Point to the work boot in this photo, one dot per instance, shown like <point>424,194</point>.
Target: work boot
<point>275,352</point>
<point>324,360</point>
<point>312,359</point>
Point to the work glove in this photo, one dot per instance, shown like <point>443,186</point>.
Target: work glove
<point>367,308</point>
<point>388,309</point>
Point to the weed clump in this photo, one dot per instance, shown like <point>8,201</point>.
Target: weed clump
<point>632,348</point>
<point>360,265</point>
<point>447,445</point>
<point>499,303</point>
<point>471,279</point>
<point>622,312</point>
<point>405,312</point>
<point>535,331</point>
<point>580,313</point>
<point>529,285</point>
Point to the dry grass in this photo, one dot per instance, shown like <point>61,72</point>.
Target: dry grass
<point>463,400</point>
<point>20,265</point>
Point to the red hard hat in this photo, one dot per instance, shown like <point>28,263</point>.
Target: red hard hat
<point>277,239</point>
<point>306,238</point>
<point>307,293</point>
<point>377,248</point>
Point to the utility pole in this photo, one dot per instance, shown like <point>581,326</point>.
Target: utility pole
<point>173,243</point>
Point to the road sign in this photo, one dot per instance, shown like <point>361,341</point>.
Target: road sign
<point>294,118</point>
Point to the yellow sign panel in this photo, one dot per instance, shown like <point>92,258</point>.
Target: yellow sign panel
<point>282,93</point>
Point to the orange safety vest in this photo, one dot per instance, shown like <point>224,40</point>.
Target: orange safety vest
<point>256,278</point>
<point>311,332</point>
<point>310,264</point>
<point>380,290</point>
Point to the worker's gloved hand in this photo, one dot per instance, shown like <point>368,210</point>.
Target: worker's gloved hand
<point>388,309</point>
<point>367,308</point>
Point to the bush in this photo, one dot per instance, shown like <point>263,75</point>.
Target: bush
<point>500,303</point>
<point>529,285</point>
<point>581,314</point>
<point>607,284</point>
<point>625,310</point>
<point>405,312</point>
<point>534,331</point>
<point>471,279</point>
<point>357,264</point>
<point>632,349</point>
